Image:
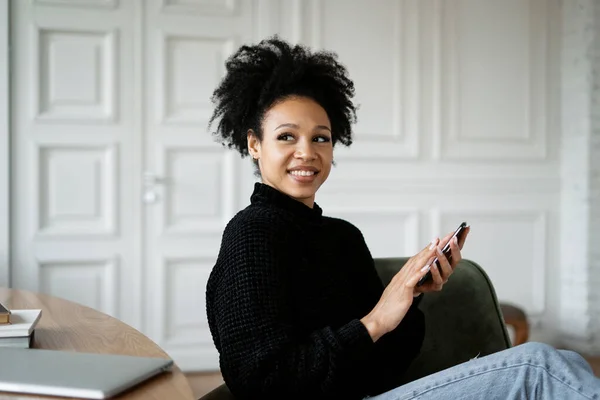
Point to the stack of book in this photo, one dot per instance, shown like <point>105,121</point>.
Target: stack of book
<point>17,327</point>
<point>4,315</point>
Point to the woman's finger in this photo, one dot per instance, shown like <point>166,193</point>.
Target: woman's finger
<point>438,280</point>
<point>428,247</point>
<point>419,261</point>
<point>415,277</point>
<point>411,281</point>
<point>463,237</point>
<point>455,251</point>
<point>446,268</point>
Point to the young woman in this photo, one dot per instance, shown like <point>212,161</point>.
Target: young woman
<point>295,306</point>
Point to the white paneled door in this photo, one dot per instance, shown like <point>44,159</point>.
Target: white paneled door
<point>191,184</point>
<point>75,227</point>
<point>120,195</point>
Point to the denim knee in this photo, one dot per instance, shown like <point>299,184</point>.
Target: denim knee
<point>547,355</point>
<point>536,348</point>
<point>535,351</point>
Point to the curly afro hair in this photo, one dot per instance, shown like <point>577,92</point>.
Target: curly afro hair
<point>258,76</point>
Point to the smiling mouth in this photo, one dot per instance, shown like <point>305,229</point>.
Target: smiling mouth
<point>303,173</point>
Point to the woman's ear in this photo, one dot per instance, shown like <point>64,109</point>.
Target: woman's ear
<point>253,144</point>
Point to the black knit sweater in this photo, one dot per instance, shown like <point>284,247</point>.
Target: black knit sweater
<point>284,303</point>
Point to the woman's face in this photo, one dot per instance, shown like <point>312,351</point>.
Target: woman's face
<point>296,150</point>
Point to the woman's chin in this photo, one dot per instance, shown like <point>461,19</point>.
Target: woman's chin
<point>301,193</point>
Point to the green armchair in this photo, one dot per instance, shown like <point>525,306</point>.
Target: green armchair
<point>463,321</point>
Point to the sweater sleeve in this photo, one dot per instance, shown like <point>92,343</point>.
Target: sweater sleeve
<point>395,351</point>
<point>251,320</point>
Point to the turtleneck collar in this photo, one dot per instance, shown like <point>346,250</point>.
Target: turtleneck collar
<point>268,195</point>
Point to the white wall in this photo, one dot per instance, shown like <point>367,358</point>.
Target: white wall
<point>4,148</point>
<point>580,173</point>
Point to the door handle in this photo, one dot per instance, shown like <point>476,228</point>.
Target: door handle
<point>150,181</point>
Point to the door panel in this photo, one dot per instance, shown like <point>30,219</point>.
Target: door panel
<point>73,134</point>
<point>196,183</point>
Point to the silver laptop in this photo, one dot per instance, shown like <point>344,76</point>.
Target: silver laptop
<point>72,374</point>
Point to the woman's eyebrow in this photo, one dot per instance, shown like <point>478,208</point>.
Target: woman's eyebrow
<point>287,126</point>
<point>322,127</point>
<point>295,126</point>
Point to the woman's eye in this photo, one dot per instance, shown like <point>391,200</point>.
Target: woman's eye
<point>322,139</point>
<point>285,136</point>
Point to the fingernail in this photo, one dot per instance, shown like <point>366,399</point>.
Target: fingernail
<point>433,243</point>
<point>425,268</point>
<point>439,251</point>
<point>455,240</point>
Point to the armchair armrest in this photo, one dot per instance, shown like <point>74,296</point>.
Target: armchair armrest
<point>462,321</point>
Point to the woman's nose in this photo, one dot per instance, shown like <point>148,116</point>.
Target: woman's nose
<point>305,151</point>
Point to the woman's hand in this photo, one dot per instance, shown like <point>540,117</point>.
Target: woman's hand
<point>398,295</point>
<point>446,267</point>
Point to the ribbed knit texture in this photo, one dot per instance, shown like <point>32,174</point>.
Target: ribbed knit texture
<point>284,303</point>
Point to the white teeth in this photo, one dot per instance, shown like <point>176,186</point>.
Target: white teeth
<point>302,173</point>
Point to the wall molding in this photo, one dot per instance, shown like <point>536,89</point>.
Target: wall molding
<point>107,224</point>
<point>105,43</point>
<point>227,8</point>
<point>166,220</point>
<point>198,114</point>
<point>448,137</point>
<point>97,4</point>
<point>455,186</point>
<point>170,334</point>
<point>109,294</point>
<point>405,83</point>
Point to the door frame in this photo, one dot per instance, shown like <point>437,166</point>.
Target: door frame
<point>4,145</point>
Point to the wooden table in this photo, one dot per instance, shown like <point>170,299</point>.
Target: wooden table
<point>69,326</point>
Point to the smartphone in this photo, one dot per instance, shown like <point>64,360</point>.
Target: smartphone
<point>446,251</point>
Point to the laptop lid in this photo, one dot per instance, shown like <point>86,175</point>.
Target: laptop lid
<point>72,374</point>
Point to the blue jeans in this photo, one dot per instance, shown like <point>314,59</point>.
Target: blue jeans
<point>528,371</point>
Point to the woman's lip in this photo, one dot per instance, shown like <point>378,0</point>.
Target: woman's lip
<point>311,169</point>
<point>302,178</point>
